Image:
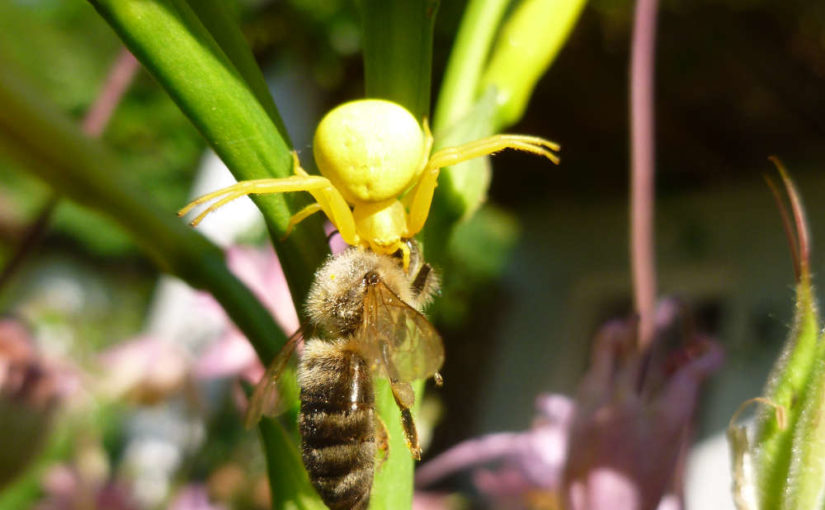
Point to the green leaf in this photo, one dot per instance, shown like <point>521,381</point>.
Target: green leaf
<point>288,480</point>
<point>529,42</point>
<point>393,487</point>
<point>489,78</point>
<point>459,90</point>
<point>224,28</point>
<point>212,80</point>
<point>461,188</point>
<point>398,47</point>
<point>397,39</point>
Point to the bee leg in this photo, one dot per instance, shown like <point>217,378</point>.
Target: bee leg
<point>382,440</point>
<point>404,399</point>
<point>422,279</point>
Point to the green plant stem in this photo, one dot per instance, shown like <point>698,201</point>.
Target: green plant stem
<point>398,39</point>
<point>234,116</point>
<point>393,487</point>
<point>398,47</point>
<point>788,386</point>
<point>290,487</point>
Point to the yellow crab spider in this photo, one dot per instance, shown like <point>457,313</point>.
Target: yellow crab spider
<point>377,175</point>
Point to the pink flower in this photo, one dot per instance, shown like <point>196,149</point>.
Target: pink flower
<point>618,446</point>
<point>194,497</point>
<point>145,370</point>
<point>30,388</point>
<point>634,411</point>
<point>232,354</point>
<point>149,368</point>
<point>74,488</point>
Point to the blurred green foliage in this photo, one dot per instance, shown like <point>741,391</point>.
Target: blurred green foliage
<point>66,50</point>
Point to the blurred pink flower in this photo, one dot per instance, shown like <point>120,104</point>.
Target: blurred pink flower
<point>194,497</point>
<point>147,369</point>
<point>30,389</point>
<point>144,370</point>
<point>25,378</point>
<point>618,446</point>
<point>529,464</point>
<point>423,500</point>
<point>71,488</point>
<point>232,354</point>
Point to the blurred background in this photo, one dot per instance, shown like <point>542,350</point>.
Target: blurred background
<point>533,275</point>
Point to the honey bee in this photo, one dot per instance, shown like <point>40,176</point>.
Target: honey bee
<point>366,310</point>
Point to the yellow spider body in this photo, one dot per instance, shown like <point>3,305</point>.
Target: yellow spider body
<point>377,175</point>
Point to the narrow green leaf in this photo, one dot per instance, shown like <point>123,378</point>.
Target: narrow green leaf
<point>398,47</point>
<point>288,480</point>
<point>171,41</point>
<point>480,97</point>
<point>220,22</point>
<point>529,42</point>
<point>393,487</point>
<point>468,58</point>
<point>463,115</point>
<point>461,188</point>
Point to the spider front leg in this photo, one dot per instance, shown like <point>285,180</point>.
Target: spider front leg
<point>327,197</point>
<point>422,195</point>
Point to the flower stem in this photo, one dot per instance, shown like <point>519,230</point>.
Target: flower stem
<point>642,160</point>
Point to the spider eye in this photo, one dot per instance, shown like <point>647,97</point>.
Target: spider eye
<point>371,150</point>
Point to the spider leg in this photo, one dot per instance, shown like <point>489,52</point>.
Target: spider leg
<point>533,144</point>
<point>329,199</point>
<point>300,216</point>
<point>422,195</point>
<point>332,203</point>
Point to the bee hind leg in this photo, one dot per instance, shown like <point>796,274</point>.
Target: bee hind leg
<point>404,399</point>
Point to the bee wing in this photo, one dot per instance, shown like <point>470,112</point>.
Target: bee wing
<point>408,346</point>
<point>265,399</point>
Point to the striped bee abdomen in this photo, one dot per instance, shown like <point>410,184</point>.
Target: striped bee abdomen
<point>337,423</point>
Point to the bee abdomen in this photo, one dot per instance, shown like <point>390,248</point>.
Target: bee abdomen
<point>337,425</point>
